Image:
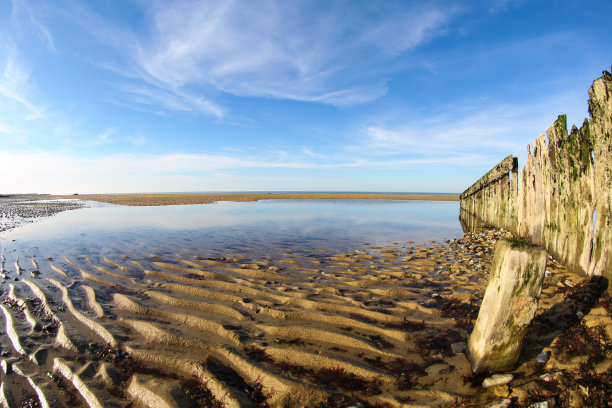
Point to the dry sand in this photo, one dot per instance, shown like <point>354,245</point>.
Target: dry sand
<point>378,327</point>
<point>205,198</point>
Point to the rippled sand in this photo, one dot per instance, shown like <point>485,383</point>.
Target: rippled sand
<point>379,325</point>
<point>205,198</point>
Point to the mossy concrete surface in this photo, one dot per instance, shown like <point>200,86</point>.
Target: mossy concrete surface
<point>562,199</point>
<point>508,307</point>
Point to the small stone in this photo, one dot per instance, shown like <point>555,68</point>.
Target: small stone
<point>549,403</point>
<point>260,334</point>
<point>358,404</point>
<point>458,347</point>
<point>551,376</point>
<point>543,357</point>
<point>6,366</point>
<point>497,379</point>
<point>500,404</point>
<point>579,315</point>
<point>547,273</point>
<point>436,369</point>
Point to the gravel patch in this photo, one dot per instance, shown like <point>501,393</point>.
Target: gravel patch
<point>18,210</point>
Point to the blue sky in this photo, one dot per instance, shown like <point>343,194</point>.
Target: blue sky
<point>149,96</point>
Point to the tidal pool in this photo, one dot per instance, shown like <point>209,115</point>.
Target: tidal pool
<point>266,227</point>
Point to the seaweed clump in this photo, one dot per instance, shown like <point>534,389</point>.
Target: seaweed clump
<point>462,312</point>
<point>585,382</point>
<point>336,377</point>
<point>583,340</point>
<point>406,372</point>
<point>341,379</point>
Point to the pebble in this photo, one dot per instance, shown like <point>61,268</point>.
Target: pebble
<point>549,403</point>
<point>551,376</point>
<point>497,379</point>
<point>6,367</point>
<point>358,404</point>
<point>500,404</point>
<point>458,347</point>
<point>543,357</point>
<point>260,334</point>
<point>436,369</point>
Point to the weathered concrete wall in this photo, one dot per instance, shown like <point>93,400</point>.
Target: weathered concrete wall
<point>562,199</point>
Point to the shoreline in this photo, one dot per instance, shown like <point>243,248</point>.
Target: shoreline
<point>208,198</point>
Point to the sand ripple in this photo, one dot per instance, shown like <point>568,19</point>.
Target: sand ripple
<point>188,330</point>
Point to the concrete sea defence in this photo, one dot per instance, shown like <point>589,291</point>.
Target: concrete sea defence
<point>562,197</point>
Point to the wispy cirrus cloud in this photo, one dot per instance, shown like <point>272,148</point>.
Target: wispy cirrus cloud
<point>15,87</point>
<point>477,129</point>
<point>23,17</point>
<point>298,50</point>
<point>185,53</point>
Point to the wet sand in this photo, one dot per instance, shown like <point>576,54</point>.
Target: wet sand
<point>206,198</point>
<point>378,326</point>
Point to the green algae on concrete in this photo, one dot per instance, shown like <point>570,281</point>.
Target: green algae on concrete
<point>562,199</point>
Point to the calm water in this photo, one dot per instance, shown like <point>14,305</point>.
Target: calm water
<point>264,227</point>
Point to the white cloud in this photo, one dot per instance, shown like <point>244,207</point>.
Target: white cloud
<point>284,50</point>
<point>22,8</point>
<point>15,84</point>
<point>175,100</point>
<point>466,128</point>
<point>188,51</point>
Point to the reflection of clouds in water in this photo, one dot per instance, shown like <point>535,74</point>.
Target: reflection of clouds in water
<point>306,225</point>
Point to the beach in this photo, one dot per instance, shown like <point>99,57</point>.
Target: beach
<point>376,326</point>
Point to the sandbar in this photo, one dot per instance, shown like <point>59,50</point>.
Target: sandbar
<point>206,198</point>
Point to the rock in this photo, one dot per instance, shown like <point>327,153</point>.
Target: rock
<point>436,369</point>
<point>508,306</point>
<point>554,376</point>
<point>500,404</point>
<point>497,379</point>
<point>543,357</point>
<point>549,403</point>
<point>358,404</point>
<point>458,347</point>
<point>6,366</point>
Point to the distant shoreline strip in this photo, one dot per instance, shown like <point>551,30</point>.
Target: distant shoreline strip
<point>207,198</point>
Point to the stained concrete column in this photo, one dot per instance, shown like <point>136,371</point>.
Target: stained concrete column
<point>508,307</point>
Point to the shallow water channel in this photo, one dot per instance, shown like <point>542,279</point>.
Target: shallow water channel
<point>266,227</point>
